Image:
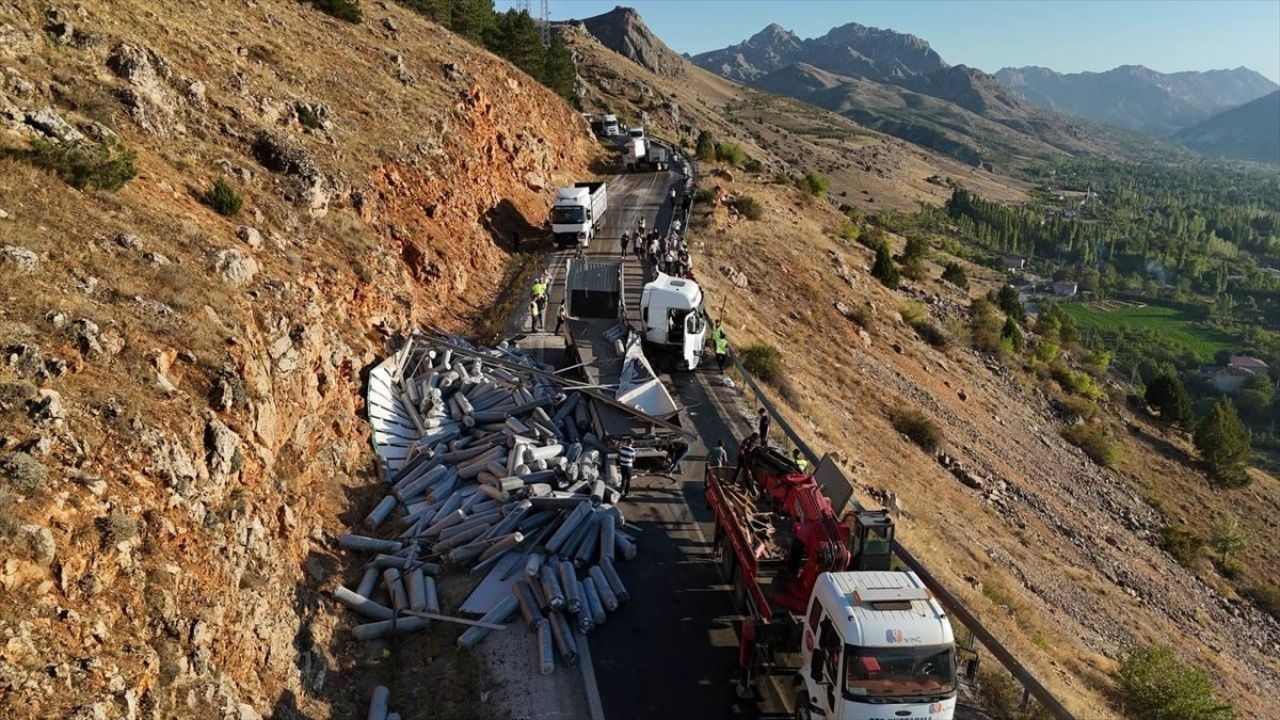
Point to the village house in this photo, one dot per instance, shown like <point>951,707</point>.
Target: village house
<point>1237,371</point>
<point>1065,288</point>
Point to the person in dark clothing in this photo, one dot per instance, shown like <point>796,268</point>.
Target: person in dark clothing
<point>560,313</point>
<point>676,452</point>
<point>763,427</point>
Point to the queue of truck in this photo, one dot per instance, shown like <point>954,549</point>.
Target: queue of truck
<point>822,601</point>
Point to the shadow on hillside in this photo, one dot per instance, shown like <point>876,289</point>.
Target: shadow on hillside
<point>1162,446</point>
<point>503,220</point>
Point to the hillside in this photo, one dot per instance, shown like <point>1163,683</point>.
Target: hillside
<point>897,84</point>
<point>1248,132</point>
<point>1136,97</point>
<point>181,423</point>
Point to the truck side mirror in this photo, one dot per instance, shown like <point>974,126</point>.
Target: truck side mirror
<point>815,664</point>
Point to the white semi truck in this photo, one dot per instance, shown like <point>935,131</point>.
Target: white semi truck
<point>877,646</point>
<point>675,325</point>
<point>611,126</point>
<point>644,155</point>
<point>577,212</point>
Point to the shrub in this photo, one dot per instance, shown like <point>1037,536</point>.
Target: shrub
<point>307,116</point>
<point>1001,697</point>
<point>1267,597</point>
<point>222,198</point>
<point>1154,685</point>
<point>348,10</point>
<point>984,326</point>
<point>9,523</point>
<point>748,207</point>
<point>954,273</point>
<point>753,166</point>
<point>118,527</point>
<point>1184,545</point>
<point>706,146</point>
<point>813,183</point>
<point>931,334</point>
<point>884,269</point>
<point>1079,407</point>
<point>102,166</point>
<point>850,230</point>
<point>1047,351</point>
<point>913,312</point>
<point>1011,338</point>
<point>917,426</point>
<point>1094,440</point>
<point>1224,442</point>
<point>762,360</point>
<point>1077,383</point>
<point>704,195</point>
<point>730,153</point>
<point>23,473</point>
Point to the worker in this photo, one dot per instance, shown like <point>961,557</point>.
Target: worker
<point>626,242</point>
<point>560,313</point>
<point>717,331</point>
<point>722,350</point>
<point>639,243</point>
<point>676,224</point>
<point>539,289</point>
<point>799,461</point>
<point>717,457</point>
<point>626,459</point>
<point>741,477</point>
<point>763,427</point>
<point>676,451</point>
<point>535,315</point>
<point>641,224</point>
<point>673,198</point>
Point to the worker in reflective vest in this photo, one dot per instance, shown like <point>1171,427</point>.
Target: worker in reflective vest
<point>722,351</point>
<point>535,315</point>
<point>800,462</point>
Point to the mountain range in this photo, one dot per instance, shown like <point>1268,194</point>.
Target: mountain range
<point>896,83</point>
<point>1137,97</point>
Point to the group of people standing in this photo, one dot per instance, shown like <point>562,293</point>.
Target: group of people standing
<point>538,304</point>
<point>659,253</point>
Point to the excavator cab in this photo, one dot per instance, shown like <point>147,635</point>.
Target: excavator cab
<point>870,539</point>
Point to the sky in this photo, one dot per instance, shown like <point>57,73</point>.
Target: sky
<point>1070,36</point>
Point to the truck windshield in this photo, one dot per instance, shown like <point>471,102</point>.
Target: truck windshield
<point>568,215</point>
<point>899,672</point>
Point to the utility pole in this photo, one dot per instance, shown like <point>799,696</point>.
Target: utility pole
<point>546,22</point>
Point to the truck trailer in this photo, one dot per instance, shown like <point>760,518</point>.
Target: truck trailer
<point>577,212</point>
<point>821,599</point>
<point>644,155</point>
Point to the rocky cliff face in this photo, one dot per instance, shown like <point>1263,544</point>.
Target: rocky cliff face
<point>623,31</point>
<point>180,392</point>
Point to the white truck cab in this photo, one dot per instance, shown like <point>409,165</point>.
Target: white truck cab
<point>674,320</point>
<point>611,126</point>
<point>635,131</point>
<point>876,646</point>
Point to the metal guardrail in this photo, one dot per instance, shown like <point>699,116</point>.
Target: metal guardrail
<point>1031,685</point>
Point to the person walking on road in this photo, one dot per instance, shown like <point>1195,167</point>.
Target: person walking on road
<point>535,315</point>
<point>626,242</point>
<point>638,243</point>
<point>626,460</point>
<point>762,429</point>
<point>560,313</point>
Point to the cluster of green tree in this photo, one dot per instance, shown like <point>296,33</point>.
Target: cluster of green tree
<point>512,35</point>
<point>707,149</point>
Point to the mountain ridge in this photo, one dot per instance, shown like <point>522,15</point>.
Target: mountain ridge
<point>1137,97</point>
<point>1247,132</point>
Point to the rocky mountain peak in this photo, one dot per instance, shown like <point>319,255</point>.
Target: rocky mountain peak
<point>624,31</point>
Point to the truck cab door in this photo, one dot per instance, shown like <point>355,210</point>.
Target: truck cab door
<point>832,646</point>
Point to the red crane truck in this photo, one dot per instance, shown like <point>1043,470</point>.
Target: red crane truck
<point>822,603</point>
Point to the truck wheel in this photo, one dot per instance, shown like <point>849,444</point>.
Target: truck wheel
<point>726,559</point>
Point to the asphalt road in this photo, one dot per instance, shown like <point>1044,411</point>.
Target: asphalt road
<point>672,651</point>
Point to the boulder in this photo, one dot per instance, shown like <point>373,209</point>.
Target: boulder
<point>234,266</point>
<point>249,235</point>
<point>49,122</point>
<point>21,258</point>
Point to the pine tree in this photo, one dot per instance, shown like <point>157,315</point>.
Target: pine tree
<point>1223,442</point>
<point>1167,394</point>
<point>1012,334</point>
<point>706,146</point>
<point>883,269</point>
<point>954,273</point>
<point>1227,537</point>
<point>560,73</point>
<point>472,19</point>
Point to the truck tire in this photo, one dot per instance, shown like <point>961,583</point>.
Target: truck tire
<point>727,561</point>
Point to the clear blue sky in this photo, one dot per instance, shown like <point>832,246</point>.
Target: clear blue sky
<point>990,34</point>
